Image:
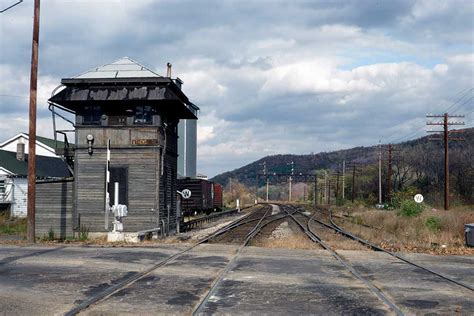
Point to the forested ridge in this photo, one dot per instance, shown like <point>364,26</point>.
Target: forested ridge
<point>417,163</point>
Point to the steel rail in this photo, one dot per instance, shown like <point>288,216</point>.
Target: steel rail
<point>373,246</point>
<point>314,237</point>
<point>198,310</point>
<point>139,275</point>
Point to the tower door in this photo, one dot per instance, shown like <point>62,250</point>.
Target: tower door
<point>120,175</point>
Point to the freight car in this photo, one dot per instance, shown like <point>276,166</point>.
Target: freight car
<point>206,196</point>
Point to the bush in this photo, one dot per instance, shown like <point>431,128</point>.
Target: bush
<point>433,223</point>
<point>410,208</point>
<point>400,196</point>
<point>51,235</point>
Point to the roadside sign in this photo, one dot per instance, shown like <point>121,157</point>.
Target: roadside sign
<point>418,198</point>
<point>186,194</point>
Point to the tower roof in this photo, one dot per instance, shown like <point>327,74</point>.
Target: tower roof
<point>124,67</point>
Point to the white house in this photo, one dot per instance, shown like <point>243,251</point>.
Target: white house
<point>44,146</point>
<point>14,170</point>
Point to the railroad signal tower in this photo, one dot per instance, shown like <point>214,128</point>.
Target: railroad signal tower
<point>446,138</point>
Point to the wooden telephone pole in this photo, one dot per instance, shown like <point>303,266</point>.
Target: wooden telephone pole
<point>32,127</point>
<point>389,175</point>
<point>446,123</point>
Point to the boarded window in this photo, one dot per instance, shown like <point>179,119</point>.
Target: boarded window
<point>120,175</point>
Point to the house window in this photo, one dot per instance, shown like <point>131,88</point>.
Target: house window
<point>91,115</point>
<point>143,115</point>
<point>2,188</point>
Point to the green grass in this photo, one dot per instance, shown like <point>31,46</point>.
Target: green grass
<point>410,208</point>
<point>13,227</point>
<point>433,223</point>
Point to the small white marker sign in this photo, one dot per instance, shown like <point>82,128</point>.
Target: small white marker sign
<point>186,193</point>
<point>418,198</point>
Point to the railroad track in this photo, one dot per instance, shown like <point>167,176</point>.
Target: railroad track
<point>103,295</point>
<point>303,222</point>
<point>263,221</point>
<point>240,232</point>
<point>318,218</point>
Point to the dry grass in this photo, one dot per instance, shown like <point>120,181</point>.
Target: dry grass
<point>12,226</point>
<point>400,233</point>
<point>294,241</point>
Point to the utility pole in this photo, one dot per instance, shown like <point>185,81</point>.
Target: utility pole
<point>329,191</point>
<point>389,176</point>
<point>326,186</point>
<point>315,197</point>
<point>353,182</point>
<point>291,179</point>
<point>266,180</point>
<point>264,164</point>
<point>380,173</point>
<point>343,178</point>
<point>446,123</point>
<point>256,188</point>
<point>32,127</point>
<point>337,184</point>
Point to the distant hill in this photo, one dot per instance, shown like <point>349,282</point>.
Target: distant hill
<point>330,160</point>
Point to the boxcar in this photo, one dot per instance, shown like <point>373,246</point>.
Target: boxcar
<point>217,196</point>
<point>201,199</point>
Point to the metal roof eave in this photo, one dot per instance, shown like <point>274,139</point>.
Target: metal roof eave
<point>115,81</point>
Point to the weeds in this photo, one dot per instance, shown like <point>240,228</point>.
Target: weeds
<point>51,235</point>
<point>433,223</point>
<point>16,226</point>
<point>410,208</point>
<point>433,231</point>
<point>83,233</point>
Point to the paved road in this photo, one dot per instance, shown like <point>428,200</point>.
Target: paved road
<point>52,280</point>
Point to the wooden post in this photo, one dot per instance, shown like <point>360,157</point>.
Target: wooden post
<point>389,178</point>
<point>446,162</point>
<point>32,127</point>
<point>353,182</point>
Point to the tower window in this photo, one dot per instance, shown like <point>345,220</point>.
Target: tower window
<point>91,115</point>
<point>143,115</point>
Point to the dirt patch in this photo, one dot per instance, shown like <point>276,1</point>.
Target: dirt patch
<point>284,236</point>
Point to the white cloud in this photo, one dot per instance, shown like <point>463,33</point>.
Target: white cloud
<point>269,77</point>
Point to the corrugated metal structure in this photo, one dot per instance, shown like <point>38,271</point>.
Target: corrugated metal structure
<point>138,111</point>
<point>187,148</point>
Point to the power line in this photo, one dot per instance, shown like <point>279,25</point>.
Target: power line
<point>460,106</point>
<point>446,132</point>
<point>18,96</point>
<point>9,7</point>
<point>457,101</point>
<point>421,129</point>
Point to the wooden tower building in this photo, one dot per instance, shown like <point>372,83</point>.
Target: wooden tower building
<point>138,111</point>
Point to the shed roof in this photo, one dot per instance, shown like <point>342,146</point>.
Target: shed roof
<point>45,166</point>
<point>124,67</point>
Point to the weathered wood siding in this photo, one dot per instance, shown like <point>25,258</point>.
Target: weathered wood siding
<point>143,170</point>
<point>149,192</point>
<point>54,205</point>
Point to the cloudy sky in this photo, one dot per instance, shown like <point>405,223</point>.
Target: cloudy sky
<point>269,76</point>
